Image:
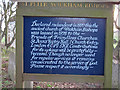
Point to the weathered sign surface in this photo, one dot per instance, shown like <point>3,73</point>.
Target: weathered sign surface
<point>64,45</point>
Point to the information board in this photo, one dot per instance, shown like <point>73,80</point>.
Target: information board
<point>64,45</point>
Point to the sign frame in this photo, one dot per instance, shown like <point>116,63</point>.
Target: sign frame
<point>28,9</point>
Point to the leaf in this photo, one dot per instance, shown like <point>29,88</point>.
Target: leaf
<point>48,85</point>
<point>115,41</point>
<point>6,82</point>
<point>38,87</point>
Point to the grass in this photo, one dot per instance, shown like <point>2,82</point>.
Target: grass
<point>6,82</point>
<point>6,59</point>
<point>4,65</point>
<point>5,52</point>
<point>38,86</point>
<point>48,85</point>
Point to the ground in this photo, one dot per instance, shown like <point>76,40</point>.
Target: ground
<point>8,83</point>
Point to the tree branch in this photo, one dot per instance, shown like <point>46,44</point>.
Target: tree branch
<point>116,50</point>
<point>10,43</point>
<point>116,25</point>
<point>115,21</point>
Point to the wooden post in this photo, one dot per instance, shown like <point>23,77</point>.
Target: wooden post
<point>19,52</point>
<point>109,55</point>
<point>28,84</point>
<point>0,65</point>
<point>119,64</point>
<point>118,48</point>
<point>119,51</point>
<point>19,55</point>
